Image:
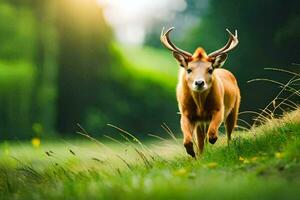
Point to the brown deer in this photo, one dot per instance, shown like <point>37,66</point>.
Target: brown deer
<point>207,95</point>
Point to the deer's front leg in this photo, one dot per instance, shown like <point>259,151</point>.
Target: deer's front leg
<point>201,134</point>
<point>187,128</point>
<point>217,119</point>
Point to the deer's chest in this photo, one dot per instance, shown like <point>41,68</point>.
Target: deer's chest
<point>200,115</point>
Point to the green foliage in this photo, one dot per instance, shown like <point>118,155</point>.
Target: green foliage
<point>16,83</point>
<point>101,83</point>
<point>261,163</point>
<point>17,33</point>
<point>134,95</point>
<point>18,38</point>
<point>153,61</point>
<point>77,74</point>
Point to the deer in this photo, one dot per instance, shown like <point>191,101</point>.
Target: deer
<point>207,94</point>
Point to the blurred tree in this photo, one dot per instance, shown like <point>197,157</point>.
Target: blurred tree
<point>84,58</point>
<point>44,102</point>
<point>57,62</point>
<point>17,72</point>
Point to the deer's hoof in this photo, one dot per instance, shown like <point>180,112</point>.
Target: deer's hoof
<point>189,149</point>
<point>212,140</point>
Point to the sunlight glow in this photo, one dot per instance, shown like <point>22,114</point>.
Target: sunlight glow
<point>132,18</point>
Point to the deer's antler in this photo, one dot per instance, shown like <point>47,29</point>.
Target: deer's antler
<point>165,40</point>
<point>232,42</point>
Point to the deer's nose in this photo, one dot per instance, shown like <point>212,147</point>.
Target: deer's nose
<point>199,83</point>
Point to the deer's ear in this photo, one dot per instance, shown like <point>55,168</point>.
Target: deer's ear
<point>180,59</point>
<point>219,61</point>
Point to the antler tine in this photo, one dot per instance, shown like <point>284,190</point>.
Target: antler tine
<point>234,41</point>
<point>231,43</point>
<point>165,39</point>
<point>222,49</point>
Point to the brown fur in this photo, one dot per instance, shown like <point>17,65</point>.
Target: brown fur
<point>218,103</point>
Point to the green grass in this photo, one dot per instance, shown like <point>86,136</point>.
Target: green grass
<point>262,163</point>
<point>149,63</point>
<point>148,58</point>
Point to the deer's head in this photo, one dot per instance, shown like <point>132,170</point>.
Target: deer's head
<point>199,67</point>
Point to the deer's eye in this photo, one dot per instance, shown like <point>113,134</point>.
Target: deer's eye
<point>189,71</point>
<point>210,70</point>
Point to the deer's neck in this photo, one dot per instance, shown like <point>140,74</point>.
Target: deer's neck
<point>200,99</point>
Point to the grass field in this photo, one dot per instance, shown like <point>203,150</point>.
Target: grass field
<point>262,163</point>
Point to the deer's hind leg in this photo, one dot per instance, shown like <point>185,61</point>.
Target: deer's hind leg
<point>231,121</point>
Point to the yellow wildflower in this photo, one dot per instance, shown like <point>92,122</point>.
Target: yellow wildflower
<point>253,159</point>
<point>181,172</point>
<point>212,165</point>
<point>36,142</point>
<point>244,160</point>
<point>279,155</point>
